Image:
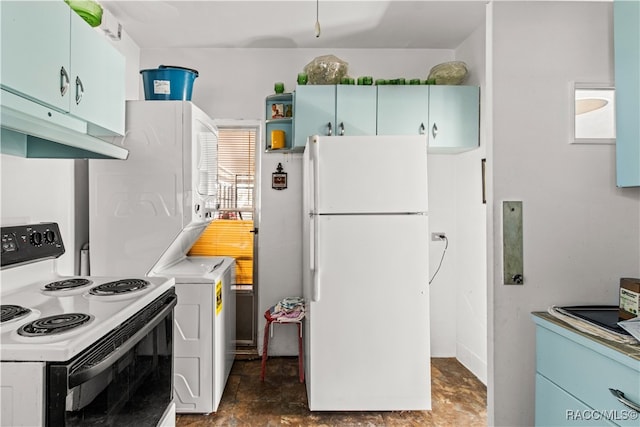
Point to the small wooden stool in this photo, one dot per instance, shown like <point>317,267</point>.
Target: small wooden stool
<point>268,329</point>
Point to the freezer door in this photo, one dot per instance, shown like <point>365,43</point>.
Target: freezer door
<point>368,314</point>
<point>369,174</point>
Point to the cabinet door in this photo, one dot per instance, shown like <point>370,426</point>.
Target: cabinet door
<point>626,21</point>
<point>589,381</point>
<point>97,80</point>
<point>35,50</point>
<point>355,110</point>
<point>454,118</point>
<point>555,407</point>
<point>403,110</point>
<point>315,112</point>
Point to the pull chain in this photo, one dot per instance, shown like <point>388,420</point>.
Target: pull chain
<point>317,27</point>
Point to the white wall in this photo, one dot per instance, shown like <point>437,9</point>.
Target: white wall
<point>470,231</point>
<point>581,233</point>
<point>459,290</point>
<point>41,190</point>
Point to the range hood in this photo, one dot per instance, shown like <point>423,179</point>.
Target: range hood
<point>32,130</point>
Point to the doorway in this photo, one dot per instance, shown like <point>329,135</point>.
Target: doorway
<point>233,232</point>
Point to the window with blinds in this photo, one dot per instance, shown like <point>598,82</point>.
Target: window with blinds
<point>236,172</point>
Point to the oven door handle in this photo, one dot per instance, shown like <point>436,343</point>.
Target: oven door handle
<point>99,367</point>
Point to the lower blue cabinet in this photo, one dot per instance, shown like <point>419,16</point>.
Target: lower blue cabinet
<point>574,373</point>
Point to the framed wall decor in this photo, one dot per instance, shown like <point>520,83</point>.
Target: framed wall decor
<point>593,113</point>
<point>279,178</point>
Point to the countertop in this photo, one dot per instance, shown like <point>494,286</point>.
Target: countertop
<point>632,351</point>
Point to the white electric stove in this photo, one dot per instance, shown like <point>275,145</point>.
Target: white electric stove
<point>56,325</point>
<point>68,345</point>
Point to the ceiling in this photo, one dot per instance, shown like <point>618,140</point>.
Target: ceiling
<point>357,24</point>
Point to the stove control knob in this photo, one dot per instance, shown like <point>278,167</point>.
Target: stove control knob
<point>36,238</point>
<point>50,236</point>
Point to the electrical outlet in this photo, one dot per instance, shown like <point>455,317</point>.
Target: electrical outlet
<point>437,236</point>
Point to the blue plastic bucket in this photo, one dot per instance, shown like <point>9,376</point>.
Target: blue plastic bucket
<point>168,83</point>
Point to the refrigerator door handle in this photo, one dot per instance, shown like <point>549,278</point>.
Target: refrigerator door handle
<point>313,260</point>
<point>312,243</point>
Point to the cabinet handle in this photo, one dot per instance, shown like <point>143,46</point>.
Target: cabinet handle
<point>626,402</point>
<point>422,129</point>
<point>434,130</point>
<point>341,128</point>
<point>79,90</point>
<point>64,81</point>
<point>329,130</point>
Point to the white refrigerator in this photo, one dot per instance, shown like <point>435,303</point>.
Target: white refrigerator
<point>366,273</point>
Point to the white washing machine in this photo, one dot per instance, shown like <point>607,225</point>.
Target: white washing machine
<point>204,330</point>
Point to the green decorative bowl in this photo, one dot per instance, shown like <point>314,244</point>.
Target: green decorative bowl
<point>88,10</point>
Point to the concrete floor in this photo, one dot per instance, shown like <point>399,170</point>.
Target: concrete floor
<point>458,399</point>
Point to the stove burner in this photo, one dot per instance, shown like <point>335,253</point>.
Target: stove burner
<point>11,312</point>
<point>119,287</point>
<point>67,284</point>
<point>53,324</point>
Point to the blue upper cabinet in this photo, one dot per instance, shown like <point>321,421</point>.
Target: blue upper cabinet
<point>314,112</point>
<point>449,115</point>
<point>333,110</point>
<point>454,118</point>
<point>626,22</point>
<point>51,56</point>
<point>35,51</point>
<point>97,80</point>
<point>403,110</point>
<point>355,110</point>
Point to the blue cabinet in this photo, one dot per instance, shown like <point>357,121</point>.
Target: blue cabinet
<point>333,110</point>
<point>355,110</point>
<point>35,51</point>
<point>51,56</point>
<point>556,407</point>
<point>574,372</point>
<point>454,118</point>
<point>450,115</point>
<point>626,22</point>
<point>403,110</point>
<point>97,80</point>
<point>314,112</point>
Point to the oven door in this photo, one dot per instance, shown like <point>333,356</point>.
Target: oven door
<point>125,378</point>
